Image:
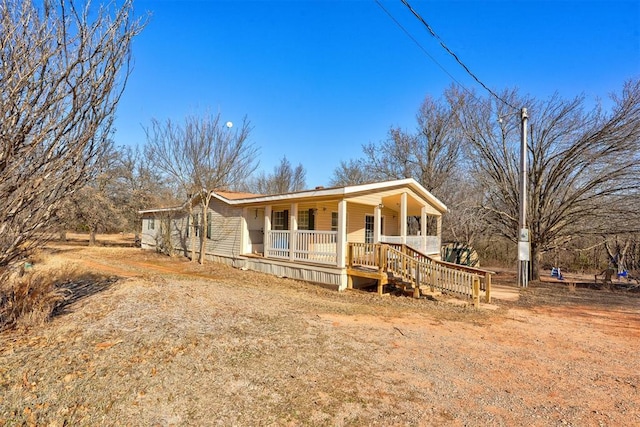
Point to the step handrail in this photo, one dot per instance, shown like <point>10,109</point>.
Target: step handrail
<point>427,272</point>
<point>485,275</point>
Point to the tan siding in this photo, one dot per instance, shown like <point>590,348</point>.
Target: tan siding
<point>367,199</point>
<point>323,216</point>
<point>255,218</point>
<point>391,222</point>
<point>148,237</point>
<point>355,221</point>
<point>179,237</point>
<point>226,229</point>
<point>306,206</point>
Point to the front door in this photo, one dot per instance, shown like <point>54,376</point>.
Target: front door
<point>255,225</point>
<point>369,227</point>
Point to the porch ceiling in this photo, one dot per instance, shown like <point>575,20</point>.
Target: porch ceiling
<point>393,202</point>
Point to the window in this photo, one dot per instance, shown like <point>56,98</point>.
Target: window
<point>151,224</point>
<point>368,228</point>
<point>334,221</point>
<point>303,220</point>
<point>209,225</point>
<point>280,220</point>
<point>196,224</point>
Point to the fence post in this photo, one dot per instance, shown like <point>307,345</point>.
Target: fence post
<point>487,294</point>
<point>416,290</point>
<point>403,264</point>
<point>476,292</point>
<point>433,277</point>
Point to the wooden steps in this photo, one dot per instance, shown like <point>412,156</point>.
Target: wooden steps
<point>414,272</point>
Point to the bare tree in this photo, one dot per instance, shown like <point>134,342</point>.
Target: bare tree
<point>464,222</point>
<point>581,166</point>
<point>135,185</point>
<point>353,172</point>
<point>122,185</point>
<point>201,155</point>
<point>92,208</point>
<point>431,154</point>
<point>284,179</point>
<point>62,71</point>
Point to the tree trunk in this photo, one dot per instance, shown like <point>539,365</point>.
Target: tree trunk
<point>193,234</point>
<point>63,236</point>
<point>536,259</point>
<point>203,236</point>
<point>92,237</point>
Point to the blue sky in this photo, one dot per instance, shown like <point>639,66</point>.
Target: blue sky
<point>318,79</point>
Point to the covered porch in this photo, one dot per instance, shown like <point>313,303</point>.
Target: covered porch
<point>308,230</point>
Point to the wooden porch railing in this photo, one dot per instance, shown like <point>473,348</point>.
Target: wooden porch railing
<point>417,269</point>
<point>308,245</point>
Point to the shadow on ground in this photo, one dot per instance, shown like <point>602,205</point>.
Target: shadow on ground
<point>80,289</point>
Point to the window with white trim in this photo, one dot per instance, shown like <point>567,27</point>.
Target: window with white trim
<point>279,220</point>
<point>334,221</point>
<point>197,222</point>
<point>303,220</point>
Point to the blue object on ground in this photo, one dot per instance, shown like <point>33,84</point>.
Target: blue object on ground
<point>555,272</point>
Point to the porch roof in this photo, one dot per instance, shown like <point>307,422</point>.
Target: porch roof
<point>386,189</point>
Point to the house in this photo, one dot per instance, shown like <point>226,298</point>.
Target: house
<point>320,235</point>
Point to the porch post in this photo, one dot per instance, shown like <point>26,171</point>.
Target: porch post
<point>341,238</point>
<point>267,231</point>
<point>377,215</point>
<point>423,228</point>
<point>293,219</point>
<point>403,218</point>
<point>244,233</point>
<point>439,233</point>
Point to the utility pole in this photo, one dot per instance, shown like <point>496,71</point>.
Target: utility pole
<point>523,231</point>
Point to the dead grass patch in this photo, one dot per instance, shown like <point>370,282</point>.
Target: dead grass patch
<point>43,289</point>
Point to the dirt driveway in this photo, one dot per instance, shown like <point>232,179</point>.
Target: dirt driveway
<point>162,341</point>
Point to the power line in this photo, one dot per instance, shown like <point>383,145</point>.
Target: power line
<point>442,43</point>
<point>422,48</point>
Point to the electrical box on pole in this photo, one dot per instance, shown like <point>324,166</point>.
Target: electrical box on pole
<point>523,231</point>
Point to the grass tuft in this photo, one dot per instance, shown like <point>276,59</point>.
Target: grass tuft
<point>30,298</point>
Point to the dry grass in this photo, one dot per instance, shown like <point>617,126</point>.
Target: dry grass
<point>30,297</point>
<point>174,343</point>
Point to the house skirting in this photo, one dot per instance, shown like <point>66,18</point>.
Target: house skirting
<point>331,277</point>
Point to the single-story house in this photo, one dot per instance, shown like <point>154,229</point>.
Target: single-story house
<point>308,235</point>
